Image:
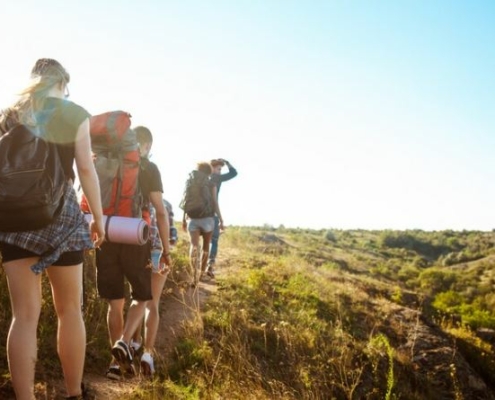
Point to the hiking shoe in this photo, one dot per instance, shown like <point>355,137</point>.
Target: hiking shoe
<point>123,356</point>
<point>147,365</point>
<point>121,352</point>
<point>134,347</point>
<point>210,272</point>
<point>114,373</point>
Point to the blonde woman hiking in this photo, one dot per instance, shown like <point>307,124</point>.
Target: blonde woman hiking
<point>58,247</point>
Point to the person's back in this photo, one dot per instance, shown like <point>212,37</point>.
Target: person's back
<point>117,262</point>
<point>57,248</point>
<point>197,200</point>
<point>199,217</point>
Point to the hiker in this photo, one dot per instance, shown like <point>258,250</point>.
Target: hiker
<point>158,268</point>
<point>158,279</point>
<point>57,248</point>
<point>217,177</point>
<point>200,206</point>
<point>118,261</point>
<point>173,236</point>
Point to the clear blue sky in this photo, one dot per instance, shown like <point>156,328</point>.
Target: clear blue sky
<point>337,114</point>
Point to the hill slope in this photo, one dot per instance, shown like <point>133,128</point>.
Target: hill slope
<point>314,315</point>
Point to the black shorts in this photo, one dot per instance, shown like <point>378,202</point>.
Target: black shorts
<point>115,261</point>
<point>12,253</point>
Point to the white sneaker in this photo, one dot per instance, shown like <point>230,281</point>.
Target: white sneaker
<point>147,365</point>
<point>134,346</point>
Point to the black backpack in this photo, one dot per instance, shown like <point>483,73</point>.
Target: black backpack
<point>197,201</point>
<point>32,181</point>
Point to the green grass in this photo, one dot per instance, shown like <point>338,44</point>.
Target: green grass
<point>303,314</point>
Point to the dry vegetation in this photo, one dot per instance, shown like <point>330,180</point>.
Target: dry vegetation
<point>304,314</point>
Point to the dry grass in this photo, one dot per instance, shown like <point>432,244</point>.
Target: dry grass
<point>307,315</point>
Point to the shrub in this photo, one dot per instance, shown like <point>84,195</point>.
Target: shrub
<point>330,236</point>
<point>448,302</point>
<point>434,280</point>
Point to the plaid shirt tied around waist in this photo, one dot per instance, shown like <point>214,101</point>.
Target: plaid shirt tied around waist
<point>69,232</point>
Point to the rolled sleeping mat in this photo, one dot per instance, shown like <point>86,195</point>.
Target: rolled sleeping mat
<point>124,230</point>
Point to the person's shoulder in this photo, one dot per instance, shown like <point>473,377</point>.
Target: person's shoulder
<point>76,107</point>
<point>213,183</point>
<point>149,167</point>
<point>65,104</point>
<point>152,166</point>
<point>215,178</point>
<point>72,112</point>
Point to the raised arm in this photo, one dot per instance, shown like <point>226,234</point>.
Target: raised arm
<point>232,172</point>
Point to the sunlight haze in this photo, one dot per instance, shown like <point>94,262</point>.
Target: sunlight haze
<point>336,114</point>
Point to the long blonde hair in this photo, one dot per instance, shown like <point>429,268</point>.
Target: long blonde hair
<point>45,74</point>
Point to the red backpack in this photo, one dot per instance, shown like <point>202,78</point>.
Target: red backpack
<point>117,162</point>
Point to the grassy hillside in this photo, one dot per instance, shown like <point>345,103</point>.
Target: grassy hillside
<point>304,314</point>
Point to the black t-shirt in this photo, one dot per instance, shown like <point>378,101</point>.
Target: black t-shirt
<point>150,179</point>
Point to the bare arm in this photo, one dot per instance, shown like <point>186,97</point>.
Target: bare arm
<point>162,224</point>
<point>89,181</point>
<point>184,222</point>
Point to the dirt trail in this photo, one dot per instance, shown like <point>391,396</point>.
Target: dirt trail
<point>178,307</point>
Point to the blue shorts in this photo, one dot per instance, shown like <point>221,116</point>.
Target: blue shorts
<point>204,225</point>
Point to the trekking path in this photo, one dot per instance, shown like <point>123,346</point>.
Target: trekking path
<point>178,308</point>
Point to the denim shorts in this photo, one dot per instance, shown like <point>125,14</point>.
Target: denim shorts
<point>204,225</point>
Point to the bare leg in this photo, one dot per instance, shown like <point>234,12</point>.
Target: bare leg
<point>25,300</point>
<point>153,311</point>
<point>66,282</point>
<point>137,336</point>
<point>206,249</point>
<point>115,320</point>
<point>134,318</point>
<point>193,253</point>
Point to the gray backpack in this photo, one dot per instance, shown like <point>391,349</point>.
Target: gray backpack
<point>197,201</point>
